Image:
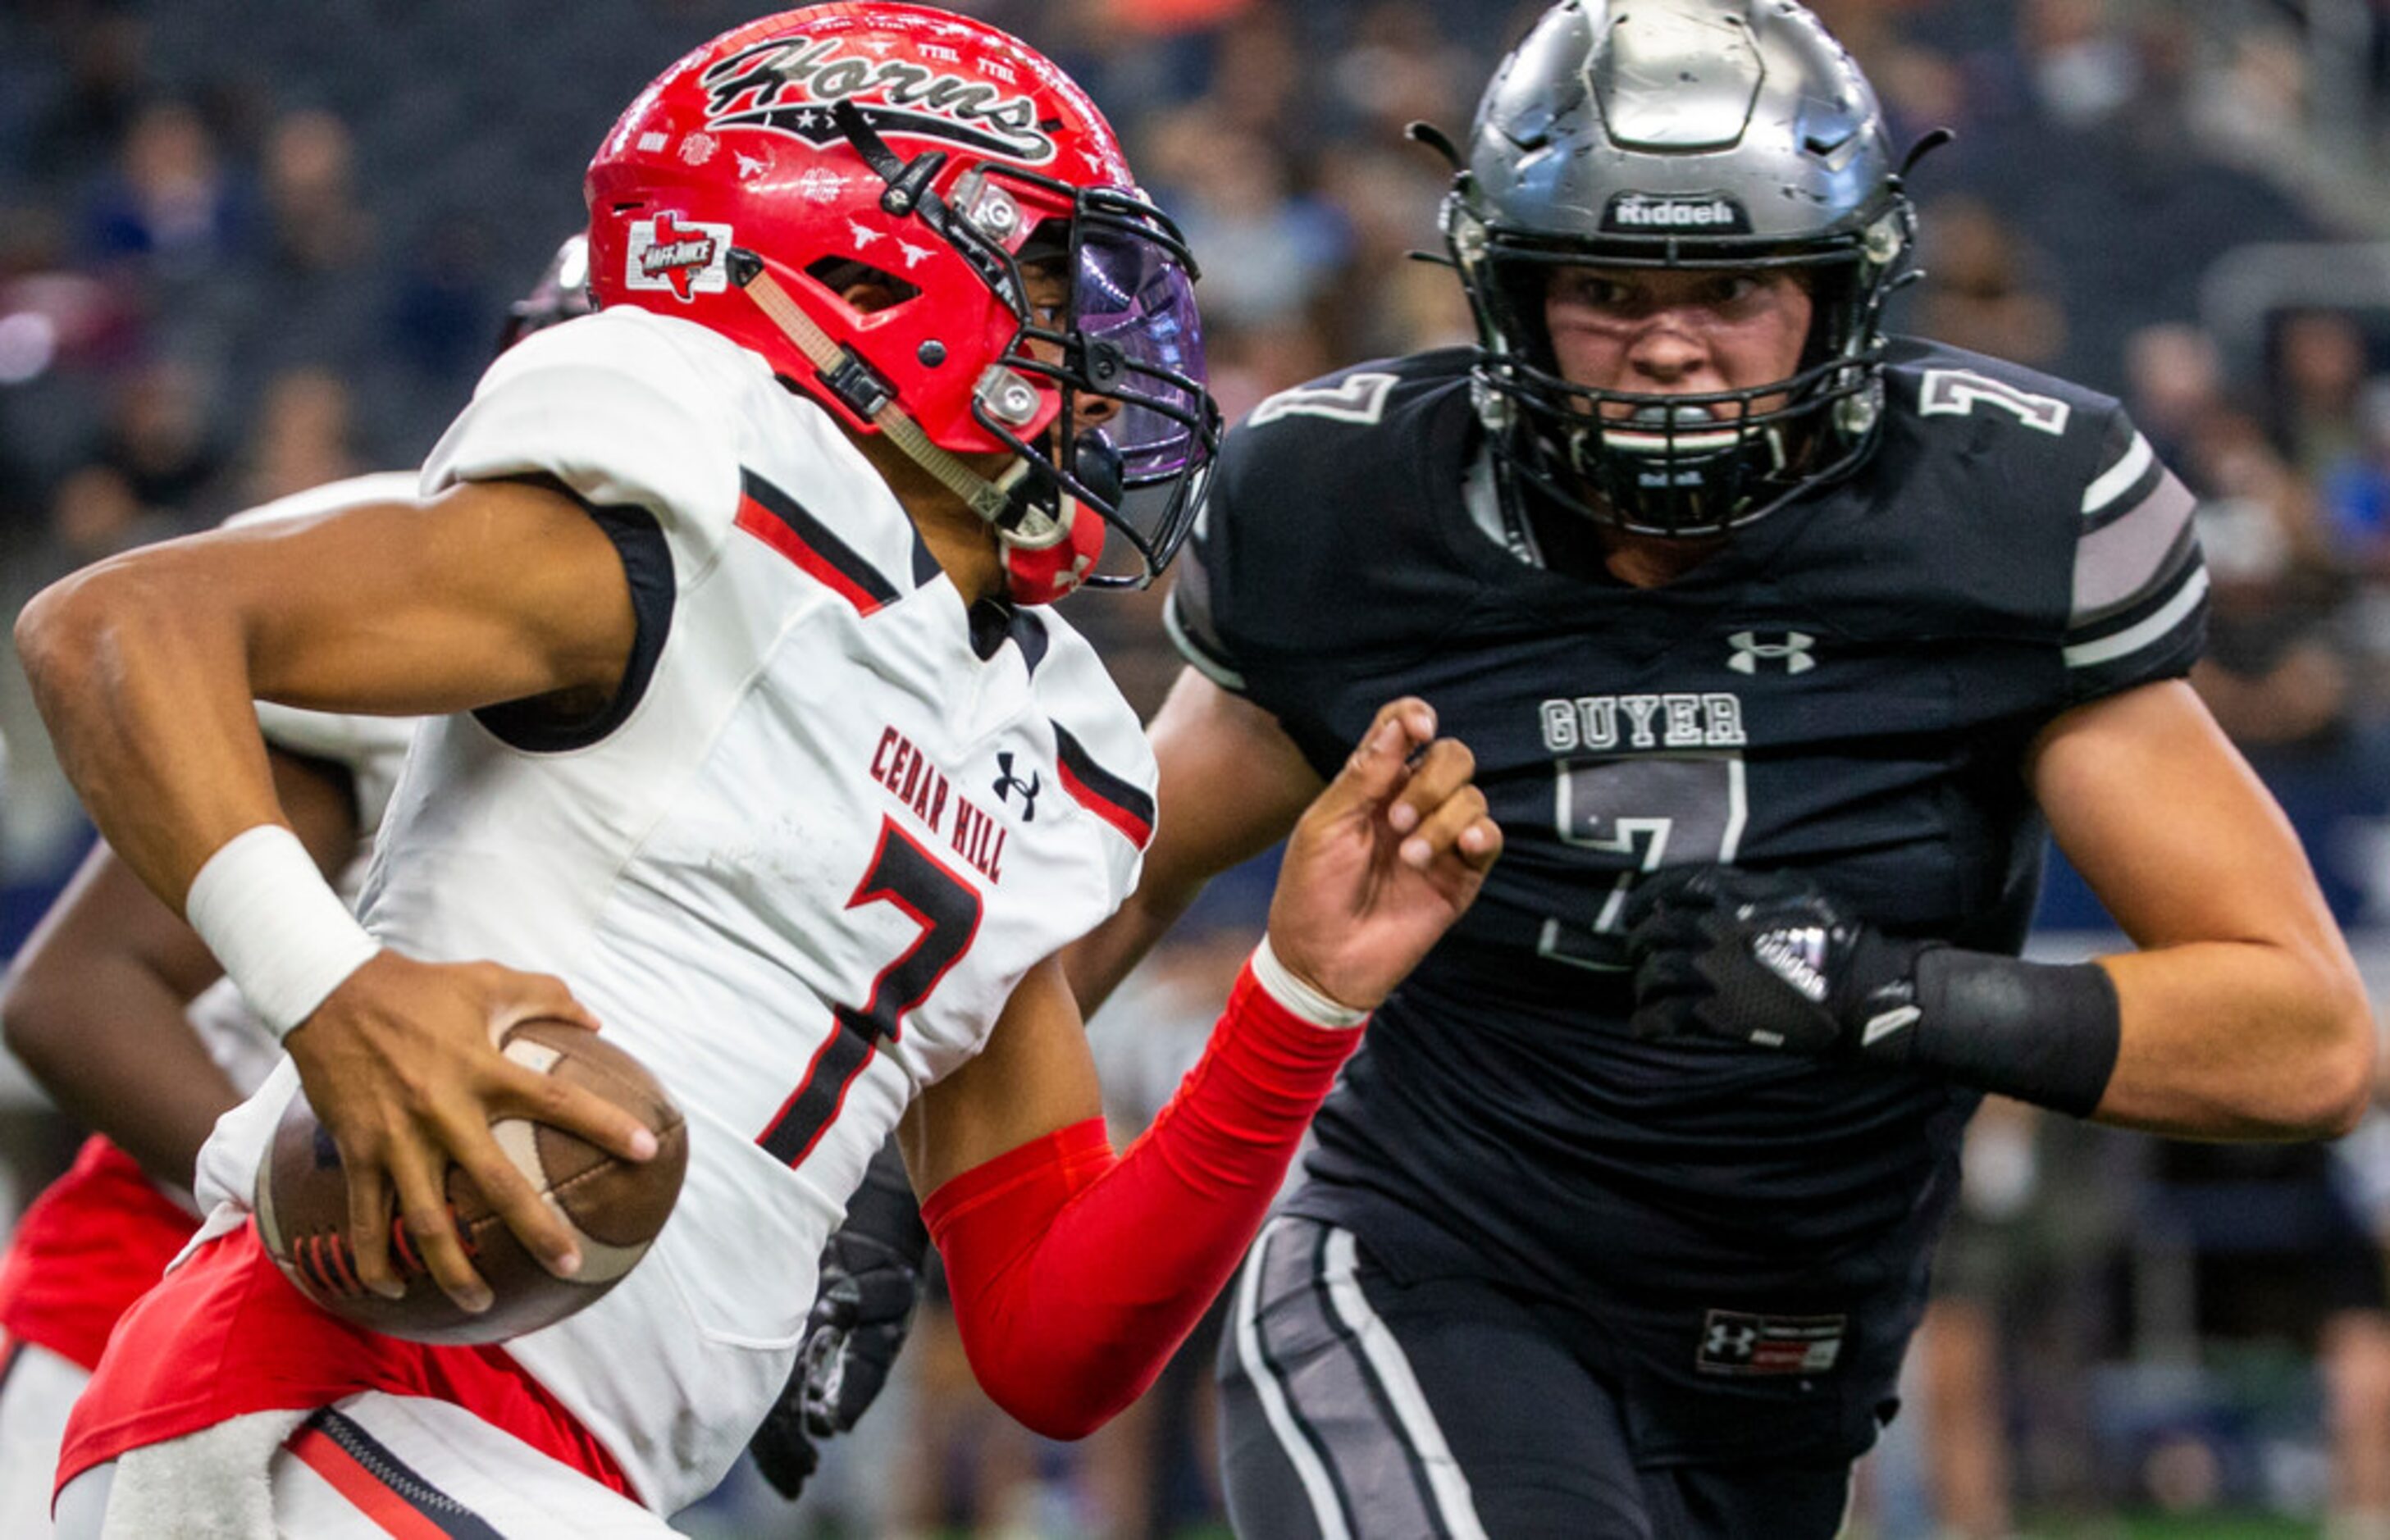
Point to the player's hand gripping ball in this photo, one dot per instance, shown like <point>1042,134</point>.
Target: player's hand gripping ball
<point>615,1207</point>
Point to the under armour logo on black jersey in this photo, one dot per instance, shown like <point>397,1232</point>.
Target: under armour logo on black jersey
<point>1729,1341</point>
<point>1792,651</point>
<point>1007,783</point>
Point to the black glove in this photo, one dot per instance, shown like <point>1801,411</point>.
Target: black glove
<point>870,1280</point>
<point>784,1452</point>
<point>1766,958</point>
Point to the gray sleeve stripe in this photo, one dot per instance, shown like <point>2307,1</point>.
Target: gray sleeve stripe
<point>2118,479</point>
<point>2179,563</point>
<point>2157,627</point>
<point>1197,657</point>
<point>2153,480</point>
<point>2117,561</point>
<point>2180,559</point>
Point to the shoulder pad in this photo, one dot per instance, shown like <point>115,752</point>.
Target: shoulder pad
<point>1991,396</point>
<point>1364,396</point>
<point>622,408</point>
<point>1328,489</point>
<point>2008,502</point>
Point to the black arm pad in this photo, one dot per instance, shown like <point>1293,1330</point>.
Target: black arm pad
<point>2042,1032</point>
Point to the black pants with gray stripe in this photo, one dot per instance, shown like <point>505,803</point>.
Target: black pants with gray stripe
<point>1355,1408</point>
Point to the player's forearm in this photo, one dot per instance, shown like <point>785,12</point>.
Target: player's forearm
<point>113,1051</point>
<point>143,687</point>
<point>1075,1276</point>
<point>1232,784</point>
<point>2241,1040</point>
<point>97,1001</point>
<point>1097,962</point>
<point>95,1010</point>
<point>2244,1016</point>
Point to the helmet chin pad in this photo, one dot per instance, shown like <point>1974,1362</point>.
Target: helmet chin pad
<point>1052,541</point>
<point>1043,573</point>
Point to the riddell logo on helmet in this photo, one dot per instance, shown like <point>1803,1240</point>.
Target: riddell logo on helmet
<point>1640,213</point>
<point>789,83</point>
<point>687,260</point>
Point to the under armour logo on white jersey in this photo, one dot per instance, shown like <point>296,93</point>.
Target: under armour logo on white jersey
<point>1793,652</point>
<point>1007,783</point>
<point>1797,956</point>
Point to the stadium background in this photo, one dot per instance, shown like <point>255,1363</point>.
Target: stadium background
<point>249,246</point>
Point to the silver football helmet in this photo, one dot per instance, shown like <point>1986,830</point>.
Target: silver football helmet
<point>560,295</point>
<point>1683,134</point>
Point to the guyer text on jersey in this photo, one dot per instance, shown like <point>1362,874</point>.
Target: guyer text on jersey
<point>1686,720</point>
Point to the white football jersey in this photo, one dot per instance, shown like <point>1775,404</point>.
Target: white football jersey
<point>797,868</point>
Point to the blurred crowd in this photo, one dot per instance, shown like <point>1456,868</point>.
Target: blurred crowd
<point>246,248</point>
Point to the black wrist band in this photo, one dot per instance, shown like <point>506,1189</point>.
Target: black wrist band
<point>2042,1032</point>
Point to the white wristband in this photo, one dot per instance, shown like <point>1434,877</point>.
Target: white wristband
<point>1298,996</point>
<point>283,935</point>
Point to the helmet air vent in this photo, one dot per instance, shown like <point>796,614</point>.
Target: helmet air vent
<point>1667,79</point>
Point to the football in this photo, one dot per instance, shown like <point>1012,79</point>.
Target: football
<point>615,1207</point>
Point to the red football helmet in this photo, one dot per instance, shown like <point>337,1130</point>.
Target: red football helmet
<point>764,178</point>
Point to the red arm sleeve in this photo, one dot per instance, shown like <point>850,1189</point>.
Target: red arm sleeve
<point>1076,1275</point>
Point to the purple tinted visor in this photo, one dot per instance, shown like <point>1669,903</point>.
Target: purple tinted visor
<point>1138,429</point>
<point>1134,305</point>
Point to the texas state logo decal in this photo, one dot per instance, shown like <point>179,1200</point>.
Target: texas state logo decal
<point>683,258</point>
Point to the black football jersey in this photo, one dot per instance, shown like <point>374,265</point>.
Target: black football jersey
<point>1847,688</point>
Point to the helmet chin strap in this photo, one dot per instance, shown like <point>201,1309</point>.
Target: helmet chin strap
<point>992,500</point>
<point>1046,555</point>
